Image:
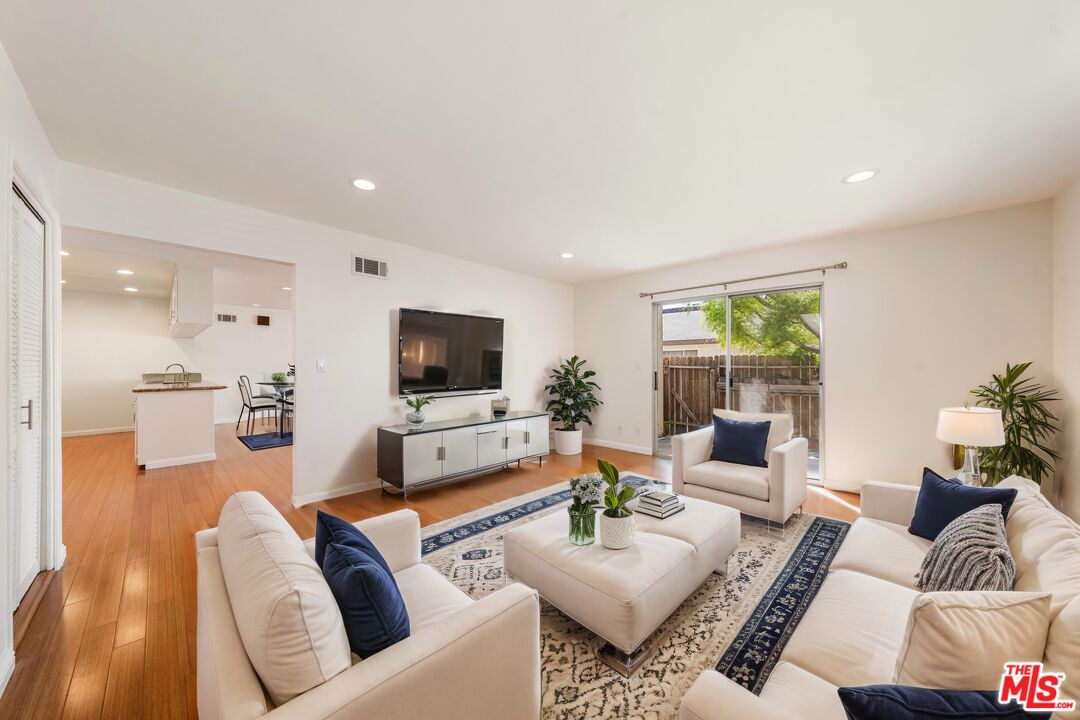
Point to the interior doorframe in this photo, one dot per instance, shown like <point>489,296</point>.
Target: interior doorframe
<point>53,553</point>
<point>658,354</point>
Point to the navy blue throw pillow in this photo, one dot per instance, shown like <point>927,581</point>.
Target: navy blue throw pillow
<point>371,604</point>
<point>330,529</point>
<point>941,501</point>
<point>899,702</point>
<point>742,443</point>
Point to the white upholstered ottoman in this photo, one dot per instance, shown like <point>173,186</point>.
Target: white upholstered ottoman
<point>624,595</point>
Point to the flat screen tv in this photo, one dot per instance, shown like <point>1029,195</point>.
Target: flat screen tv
<point>445,353</point>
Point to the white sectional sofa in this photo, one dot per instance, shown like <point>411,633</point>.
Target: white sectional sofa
<point>464,659</point>
<point>853,631</point>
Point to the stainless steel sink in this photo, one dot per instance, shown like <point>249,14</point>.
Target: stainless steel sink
<point>182,378</point>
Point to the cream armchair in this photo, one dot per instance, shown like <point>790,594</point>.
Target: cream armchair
<point>772,492</point>
<point>465,659</point>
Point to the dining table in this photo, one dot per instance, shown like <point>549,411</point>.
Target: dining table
<point>284,394</point>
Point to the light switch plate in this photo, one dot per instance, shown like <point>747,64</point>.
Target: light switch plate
<point>320,366</point>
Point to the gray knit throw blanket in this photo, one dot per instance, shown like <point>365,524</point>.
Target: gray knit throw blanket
<point>971,553</point>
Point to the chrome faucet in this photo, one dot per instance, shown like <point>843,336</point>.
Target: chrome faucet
<point>183,375</point>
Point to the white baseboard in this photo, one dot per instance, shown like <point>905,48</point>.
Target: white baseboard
<point>302,500</point>
<point>186,460</point>
<point>640,449</point>
<point>843,486</point>
<point>99,431</point>
<point>7,667</point>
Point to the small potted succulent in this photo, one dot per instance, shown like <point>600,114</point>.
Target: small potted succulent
<point>586,491</point>
<point>417,402</point>
<point>617,522</point>
<point>278,377</point>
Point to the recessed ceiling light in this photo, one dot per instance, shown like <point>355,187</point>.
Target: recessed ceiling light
<point>255,305</point>
<point>63,282</point>
<point>125,271</point>
<point>65,253</point>
<point>858,177</point>
<point>362,184</point>
<point>286,287</point>
<point>130,289</point>
<point>566,256</point>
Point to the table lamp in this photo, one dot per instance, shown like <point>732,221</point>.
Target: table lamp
<point>972,427</point>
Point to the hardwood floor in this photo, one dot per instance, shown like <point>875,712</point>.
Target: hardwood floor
<point>114,631</point>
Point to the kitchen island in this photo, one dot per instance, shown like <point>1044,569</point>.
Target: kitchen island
<point>174,423</point>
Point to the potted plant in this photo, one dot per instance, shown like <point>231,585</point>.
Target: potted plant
<point>586,491</point>
<point>574,397</point>
<point>417,402</point>
<point>617,522</point>
<point>1030,426</point>
<point>278,377</point>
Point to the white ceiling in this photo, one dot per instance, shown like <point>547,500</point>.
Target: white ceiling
<point>95,257</point>
<point>630,133</point>
<point>95,271</point>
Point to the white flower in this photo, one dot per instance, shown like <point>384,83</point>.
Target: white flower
<point>587,489</point>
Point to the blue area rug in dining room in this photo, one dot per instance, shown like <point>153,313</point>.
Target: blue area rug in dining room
<point>263,441</point>
<point>754,652</point>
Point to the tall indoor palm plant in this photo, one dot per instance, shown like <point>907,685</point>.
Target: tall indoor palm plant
<point>1030,426</point>
<point>573,398</point>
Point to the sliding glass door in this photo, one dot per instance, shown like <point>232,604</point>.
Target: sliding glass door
<point>752,352</point>
<point>690,376</point>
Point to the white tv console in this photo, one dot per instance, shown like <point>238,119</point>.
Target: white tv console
<point>447,450</point>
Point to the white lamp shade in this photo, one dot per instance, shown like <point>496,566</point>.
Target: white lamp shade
<point>972,427</point>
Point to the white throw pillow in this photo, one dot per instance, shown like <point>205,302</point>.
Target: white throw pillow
<point>288,619</point>
<point>962,640</point>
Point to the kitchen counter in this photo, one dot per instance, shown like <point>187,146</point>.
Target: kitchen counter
<point>174,424</point>
<point>176,387</point>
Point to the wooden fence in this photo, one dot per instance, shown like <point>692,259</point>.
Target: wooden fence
<point>693,386</point>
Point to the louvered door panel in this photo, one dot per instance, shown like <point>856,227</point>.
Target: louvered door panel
<point>27,381</point>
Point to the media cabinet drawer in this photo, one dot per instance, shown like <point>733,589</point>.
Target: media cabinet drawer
<point>491,444</point>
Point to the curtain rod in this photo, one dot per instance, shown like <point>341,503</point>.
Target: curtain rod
<point>725,283</point>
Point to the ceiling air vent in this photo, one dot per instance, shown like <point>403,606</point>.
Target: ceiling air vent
<point>226,318</point>
<point>369,267</point>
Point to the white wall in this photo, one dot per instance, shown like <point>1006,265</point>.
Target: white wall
<point>1067,342</point>
<point>923,314</point>
<point>341,318</point>
<point>23,147</point>
<point>110,340</point>
<point>224,352</point>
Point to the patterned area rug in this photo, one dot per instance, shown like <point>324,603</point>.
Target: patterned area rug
<point>757,647</point>
<point>468,550</point>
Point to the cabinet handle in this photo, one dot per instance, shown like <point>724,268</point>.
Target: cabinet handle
<point>527,437</point>
<point>506,443</point>
<point>29,421</point>
<point>486,432</point>
<point>440,453</point>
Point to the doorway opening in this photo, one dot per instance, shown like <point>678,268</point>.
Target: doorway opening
<point>751,352</point>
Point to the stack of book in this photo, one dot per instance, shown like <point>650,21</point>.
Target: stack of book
<point>660,504</point>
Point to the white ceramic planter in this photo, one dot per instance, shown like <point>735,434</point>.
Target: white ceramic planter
<point>616,533</point>
<point>568,442</point>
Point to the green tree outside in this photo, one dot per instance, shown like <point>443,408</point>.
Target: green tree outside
<point>782,323</point>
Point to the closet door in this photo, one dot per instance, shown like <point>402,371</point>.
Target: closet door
<point>27,379</point>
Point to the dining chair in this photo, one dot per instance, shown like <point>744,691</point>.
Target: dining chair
<point>285,423</point>
<point>252,405</point>
<point>247,381</point>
